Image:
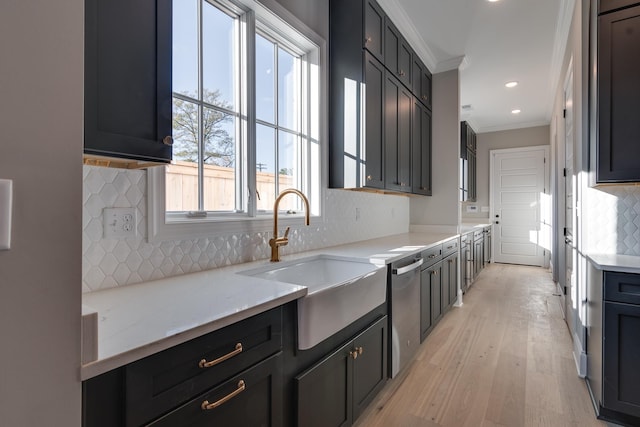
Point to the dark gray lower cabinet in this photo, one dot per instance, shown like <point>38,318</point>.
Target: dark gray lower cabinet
<point>239,367</point>
<point>430,298</point>
<point>450,277</point>
<point>251,398</point>
<point>335,391</point>
<point>621,382</point>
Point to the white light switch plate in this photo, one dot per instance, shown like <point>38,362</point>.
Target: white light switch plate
<point>6,198</point>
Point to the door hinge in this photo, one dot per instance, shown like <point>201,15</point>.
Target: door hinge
<point>564,290</point>
<point>544,160</point>
<point>564,113</point>
<point>564,231</point>
<point>564,172</point>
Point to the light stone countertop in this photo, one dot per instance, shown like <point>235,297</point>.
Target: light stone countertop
<point>138,320</point>
<point>614,262</point>
<point>469,227</point>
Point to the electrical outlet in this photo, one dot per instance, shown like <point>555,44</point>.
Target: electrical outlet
<point>119,222</point>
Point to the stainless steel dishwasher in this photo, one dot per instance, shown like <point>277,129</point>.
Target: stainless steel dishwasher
<point>405,311</point>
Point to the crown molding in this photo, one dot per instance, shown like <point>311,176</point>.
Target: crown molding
<point>399,16</point>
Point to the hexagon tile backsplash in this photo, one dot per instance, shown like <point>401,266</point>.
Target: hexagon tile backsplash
<point>110,262</point>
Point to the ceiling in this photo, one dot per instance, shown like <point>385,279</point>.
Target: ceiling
<point>491,43</point>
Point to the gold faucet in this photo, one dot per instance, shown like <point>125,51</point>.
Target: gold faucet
<point>276,241</point>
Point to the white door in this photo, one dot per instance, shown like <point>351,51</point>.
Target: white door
<point>570,219</point>
<point>518,183</point>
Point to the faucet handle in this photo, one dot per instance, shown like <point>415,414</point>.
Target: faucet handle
<point>286,232</point>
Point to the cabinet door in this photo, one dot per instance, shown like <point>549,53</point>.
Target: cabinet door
<point>618,93</point>
<point>324,391</point>
<point>478,252</point>
<point>444,286</point>
<point>370,366</point>
<point>453,267</point>
<point>436,292</point>
<point>397,135</point>
<point>398,54</point>
<point>421,81</point>
<point>252,398</point>
<point>374,29</point>
<point>621,382</point>
<point>421,149</point>
<point>425,304</point>
<point>374,122</point>
<point>128,79</point>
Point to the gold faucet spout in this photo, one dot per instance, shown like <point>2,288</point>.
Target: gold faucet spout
<point>276,242</point>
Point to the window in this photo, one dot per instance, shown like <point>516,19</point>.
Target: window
<point>246,94</point>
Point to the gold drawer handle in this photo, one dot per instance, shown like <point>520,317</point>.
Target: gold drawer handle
<point>434,272</point>
<point>206,406</point>
<point>356,352</point>
<point>204,364</point>
<point>432,256</point>
<point>449,247</point>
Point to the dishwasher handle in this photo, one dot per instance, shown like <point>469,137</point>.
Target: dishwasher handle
<point>408,268</point>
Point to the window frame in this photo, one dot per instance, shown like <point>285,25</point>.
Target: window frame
<point>278,22</point>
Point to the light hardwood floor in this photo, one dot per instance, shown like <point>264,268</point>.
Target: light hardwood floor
<point>502,359</point>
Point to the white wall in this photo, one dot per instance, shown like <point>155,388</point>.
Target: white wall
<point>515,138</point>
<point>41,72</point>
<point>442,208</point>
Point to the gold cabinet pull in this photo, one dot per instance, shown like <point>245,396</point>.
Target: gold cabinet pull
<point>356,352</point>
<point>206,406</point>
<point>368,40</point>
<point>167,140</point>
<point>369,178</point>
<point>434,272</point>
<point>204,364</point>
<point>433,256</point>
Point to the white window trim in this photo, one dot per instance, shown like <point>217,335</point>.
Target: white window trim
<point>158,229</point>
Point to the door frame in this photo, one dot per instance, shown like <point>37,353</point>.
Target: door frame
<point>547,191</point>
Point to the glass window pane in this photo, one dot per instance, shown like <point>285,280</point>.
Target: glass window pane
<point>185,47</point>
<point>219,175</point>
<point>182,175</point>
<point>219,45</point>
<point>288,90</point>
<point>265,79</point>
<point>288,167</point>
<point>265,167</point>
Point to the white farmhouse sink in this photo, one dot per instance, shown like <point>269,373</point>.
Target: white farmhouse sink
<point>340,291</point>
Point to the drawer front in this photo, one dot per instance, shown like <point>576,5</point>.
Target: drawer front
<point>449,247</point>
<point>251,398</point>
<point>622,287</point>
<point>172,377</point>
<point>431,255</point>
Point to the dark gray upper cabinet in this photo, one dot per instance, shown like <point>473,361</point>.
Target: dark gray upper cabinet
<point>374,122</point>
<point>374,29</point>
<point>421,149</point>
<point>618,148</point>
<point>398,55</point>
<point>421,81</point>
<point>371,135</point>
<point>468,155</point>
<point>397,135</point>
<point>128,79</point>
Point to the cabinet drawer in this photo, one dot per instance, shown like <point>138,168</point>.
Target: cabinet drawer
<point>174,376</point>
<point>431,255</point>
<point>251,398</point>
<point>622,287</point>
<point>450,247</point>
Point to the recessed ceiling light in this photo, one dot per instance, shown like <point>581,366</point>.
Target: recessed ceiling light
<point>515,111</point>
<point>492,1</point>
<point>511,84</point>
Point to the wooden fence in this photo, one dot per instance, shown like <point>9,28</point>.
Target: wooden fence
<point>219,188</point>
